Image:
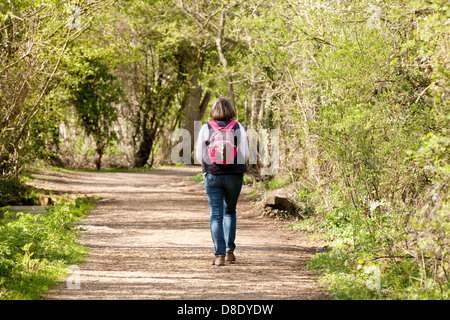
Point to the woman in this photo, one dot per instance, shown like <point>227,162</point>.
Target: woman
<point>223,182</point>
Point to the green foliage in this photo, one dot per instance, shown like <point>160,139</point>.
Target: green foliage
<point>358,90</point>
<point>35,250</point>
<point>371,270</point>
<point>34,38</point>
<point>198,177</point>
<point>273,183</point>
<point>93,95</point>
<point>379,119</point>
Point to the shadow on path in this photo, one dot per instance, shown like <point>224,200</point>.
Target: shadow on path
<point>149,239</point>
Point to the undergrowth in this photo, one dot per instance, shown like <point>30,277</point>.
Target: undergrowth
<point>386,251</point>
<point>364,262</point>
<point>36,250</point>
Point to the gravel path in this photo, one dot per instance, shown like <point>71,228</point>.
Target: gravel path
<point>149,239</point>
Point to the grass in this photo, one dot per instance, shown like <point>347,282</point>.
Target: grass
<point>198,177</point>
<point>36,250</point>
<point>273,183</point>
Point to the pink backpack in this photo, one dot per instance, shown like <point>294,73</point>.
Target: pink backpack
<point>221,146</point>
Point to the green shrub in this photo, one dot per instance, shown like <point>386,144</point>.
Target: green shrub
<point>35,250</point>
<point>198,177</point>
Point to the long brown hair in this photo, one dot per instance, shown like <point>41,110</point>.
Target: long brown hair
<point>222,110</point>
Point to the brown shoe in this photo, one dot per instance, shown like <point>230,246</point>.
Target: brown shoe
<point>219,261</point>
<point>230,258</point>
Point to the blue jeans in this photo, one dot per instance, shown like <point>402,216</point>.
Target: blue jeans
<point>223,192</point>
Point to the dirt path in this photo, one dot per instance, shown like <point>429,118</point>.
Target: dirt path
<point>149,239</point>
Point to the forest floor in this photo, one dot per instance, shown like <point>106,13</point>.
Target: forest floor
<point>149,238</point>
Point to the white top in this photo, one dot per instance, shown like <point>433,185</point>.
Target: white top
<point>203,136</point>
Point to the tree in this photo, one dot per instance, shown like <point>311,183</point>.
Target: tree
<point>149,77</point>
<point>34,38</point>
<point>94,93</point>
<point>164,75</point>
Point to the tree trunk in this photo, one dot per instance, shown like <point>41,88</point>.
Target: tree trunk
<point>195,106</point>
<point>98,158</point>
<point>192,106</point>
<point>145,147</point>
<point>256,107</point>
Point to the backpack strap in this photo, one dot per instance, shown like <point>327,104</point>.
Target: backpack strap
<point>231,125</point>
<point>214,125</point>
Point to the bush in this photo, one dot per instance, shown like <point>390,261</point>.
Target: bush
<point>35,250</point>
<point>380,175</point>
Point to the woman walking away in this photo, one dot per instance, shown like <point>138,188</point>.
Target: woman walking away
<point>222,148</point>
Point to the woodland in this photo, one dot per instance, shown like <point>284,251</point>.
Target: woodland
<point>357,89</point>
